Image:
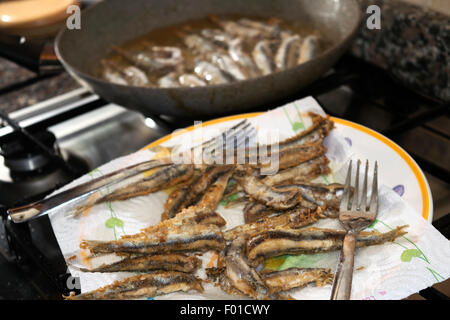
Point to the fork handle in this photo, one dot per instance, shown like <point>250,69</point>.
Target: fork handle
<point>82,191</point>
<point>342,284</point>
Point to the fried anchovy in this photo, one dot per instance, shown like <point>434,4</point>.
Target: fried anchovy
<point>123,190</point>
<point>174,202</point>
<point>184,238</point>
<point>131,74</point>
<point>228,65</point>
<point>112,74</point>
<point>199,44</point>
<point>143,285</point>
<point>240,274</point>
<point>290,156</point>
<point>168,262</point>
<point>327,197</point>
<point>262,56</point>
<point>210,200</point>
<point>237,29</point>
<point>160,179</point>
<point>282,240</point>
<point>179,198</point>
<point>254,211</point>
<point>288,53</point>
<point>292,151</point>
<point>305,171</point>
<point>169,81</point>
<point>209,176</point>
<point>236,52</point>
<point>313,136</point>
<point>191,223</point>
<point>295,218</point>
<point>194,194</point>
<point>191,80</point>
<point>271,197</point>
<point>210,73</point>
<point>220,38</point>
<point>153,61</point>
<point>295,155</point>
<point>319,129</point>
<point>291,278</point>
<point>191,215</point>
<point>269,30</point>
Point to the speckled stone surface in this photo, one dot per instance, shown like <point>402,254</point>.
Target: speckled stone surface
<point>413,44</point>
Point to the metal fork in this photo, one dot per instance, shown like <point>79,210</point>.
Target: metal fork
<point>354,215</point>
<point>237,133</point>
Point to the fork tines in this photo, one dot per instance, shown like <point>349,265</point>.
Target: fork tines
<point>234,137</point>
<point>359,203</point>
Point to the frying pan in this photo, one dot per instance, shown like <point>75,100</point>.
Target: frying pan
<point>115,22</point>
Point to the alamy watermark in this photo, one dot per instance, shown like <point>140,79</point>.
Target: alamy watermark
<point>74,19</point>
<point>72,282</point>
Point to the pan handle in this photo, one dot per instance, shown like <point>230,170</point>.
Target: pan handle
<point>80,192</point>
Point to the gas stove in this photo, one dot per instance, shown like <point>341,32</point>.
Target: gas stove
<point>47,145</point>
